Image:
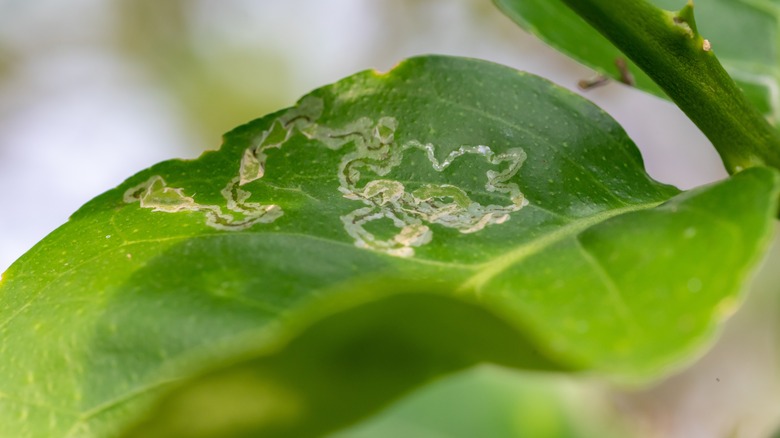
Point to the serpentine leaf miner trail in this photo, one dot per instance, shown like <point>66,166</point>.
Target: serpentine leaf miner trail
<point>374,151</point>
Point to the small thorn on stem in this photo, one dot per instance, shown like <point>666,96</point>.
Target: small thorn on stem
<point>595,82</point>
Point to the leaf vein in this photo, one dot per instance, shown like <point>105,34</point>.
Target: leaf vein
<point>494,267</point>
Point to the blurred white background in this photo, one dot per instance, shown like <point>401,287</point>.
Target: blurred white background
<point>92,91</point>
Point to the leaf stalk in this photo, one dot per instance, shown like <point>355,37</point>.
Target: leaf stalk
<point>668,47</point>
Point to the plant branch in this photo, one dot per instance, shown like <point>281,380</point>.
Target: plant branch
<point>669,48</point>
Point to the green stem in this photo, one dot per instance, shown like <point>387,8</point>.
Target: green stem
<point>668,47</point>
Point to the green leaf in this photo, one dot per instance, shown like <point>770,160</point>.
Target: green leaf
<point>742,34</point>
<point>511,199</point>
<point>484,401</point>
<point>492,402</point>
<point>341,367</point>
<point>364,355</point>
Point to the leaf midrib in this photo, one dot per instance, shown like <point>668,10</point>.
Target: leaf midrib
<point>490,269</point>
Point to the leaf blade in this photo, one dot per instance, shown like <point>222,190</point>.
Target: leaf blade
<point>178,266</point>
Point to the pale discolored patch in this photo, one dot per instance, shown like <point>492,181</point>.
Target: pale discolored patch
<point>156,195</point>
<point>363,176</point>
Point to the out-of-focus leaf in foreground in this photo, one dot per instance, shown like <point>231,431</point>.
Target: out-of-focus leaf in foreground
<point>510,202</point>
<point>341,368</point>
<point>349,364</point>
<point>742,33</point>
<point>498,403</point>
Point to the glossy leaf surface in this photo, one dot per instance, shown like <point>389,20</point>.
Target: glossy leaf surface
<point>504,199</point>
<point>742,33</point>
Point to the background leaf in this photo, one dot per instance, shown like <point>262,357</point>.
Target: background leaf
<point>494,402</point>
<point>742,33</point>
<point>341,367</point>
<point>459,175</point>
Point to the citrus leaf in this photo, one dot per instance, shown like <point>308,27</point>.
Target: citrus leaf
<point>360,356</point>
<point>493,186</point>
<point>341,367</point>
<point>741,33</point>
<point>498,403</point>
